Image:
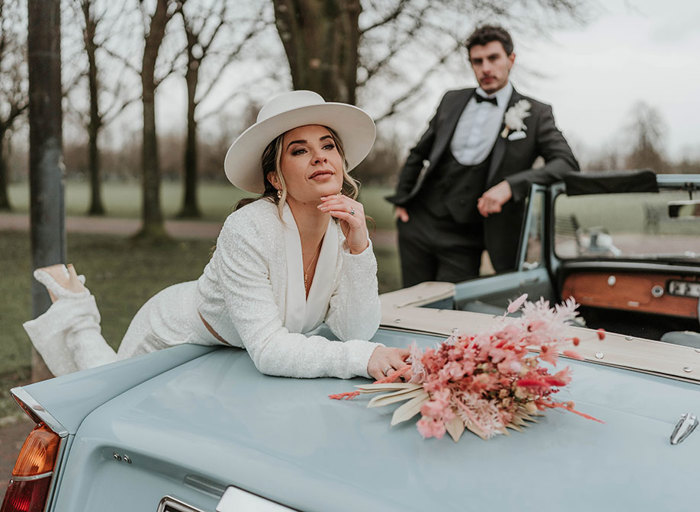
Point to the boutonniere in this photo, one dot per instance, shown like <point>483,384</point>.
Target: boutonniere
<point>514,118</point>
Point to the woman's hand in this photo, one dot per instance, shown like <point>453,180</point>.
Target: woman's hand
<point>386,360</point>
<point>351,215</point>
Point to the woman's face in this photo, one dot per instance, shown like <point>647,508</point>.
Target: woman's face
<point>311,165</point>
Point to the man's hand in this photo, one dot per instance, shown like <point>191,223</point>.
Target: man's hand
<point>494,198</point>
<point>401,214</point>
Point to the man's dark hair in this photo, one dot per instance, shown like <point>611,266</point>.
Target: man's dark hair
<point>488,33</point>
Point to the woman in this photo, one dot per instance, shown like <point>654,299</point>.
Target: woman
<point>284,264</point>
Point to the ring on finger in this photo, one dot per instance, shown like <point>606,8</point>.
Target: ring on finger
<point>387,370</point>
<point>352,211</point>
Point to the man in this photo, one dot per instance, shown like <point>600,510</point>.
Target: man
<point>463,186</point>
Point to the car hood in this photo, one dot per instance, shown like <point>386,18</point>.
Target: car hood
<point>217,421</point>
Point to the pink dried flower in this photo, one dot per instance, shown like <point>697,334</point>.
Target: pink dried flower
<point>429,427</point>
<point>418,373</point>
<point>573,355</point>
<point>517,303</point>
<point>488,379</point>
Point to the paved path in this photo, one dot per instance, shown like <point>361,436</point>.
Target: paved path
<point>183,229</point>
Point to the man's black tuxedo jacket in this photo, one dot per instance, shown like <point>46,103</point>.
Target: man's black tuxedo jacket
<point>511,160</point>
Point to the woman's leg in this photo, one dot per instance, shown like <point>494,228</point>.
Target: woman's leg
<point>68,334</point>
<point>168,318</point>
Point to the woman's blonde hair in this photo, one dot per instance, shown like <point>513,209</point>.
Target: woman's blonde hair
<point>271,163</point>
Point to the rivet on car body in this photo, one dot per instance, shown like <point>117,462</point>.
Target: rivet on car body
<point>657,291</point>
<point>116,456</point>
<point>687,369</point>
<point>127,459</point>
<point>612,280</point>
<point>599,355</point>
<point>397,321</point>
<point>629,338</point>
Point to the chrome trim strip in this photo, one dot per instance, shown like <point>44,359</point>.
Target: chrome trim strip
<point>612,265</point>
<point>175,504</point>
<point>236,499</point>
<point>674,180</point>
<point>205,485</point>
<point>33,477</point>
<point>37,411</point>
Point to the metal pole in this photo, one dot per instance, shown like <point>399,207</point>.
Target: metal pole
<point>47,214</point>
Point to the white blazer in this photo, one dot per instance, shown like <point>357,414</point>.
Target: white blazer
<point>252,294</point>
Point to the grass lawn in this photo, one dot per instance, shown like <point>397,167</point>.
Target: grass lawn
<point>216,200</point>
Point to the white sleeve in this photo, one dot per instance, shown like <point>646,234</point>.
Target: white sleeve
<point>355,310</point>
<point>243,271</point>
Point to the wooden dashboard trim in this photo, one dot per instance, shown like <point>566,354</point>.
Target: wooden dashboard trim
<point>630,291</point>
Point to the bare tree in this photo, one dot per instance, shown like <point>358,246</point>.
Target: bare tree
<point>107,99</point>
<point>152,215</point>
<point>335,47</point>
<point>14,99</point>
<point>321,39</point>
<point>211,30</point>
<point>646,133</point>
<point>47,215</point>
<point>606,158</point>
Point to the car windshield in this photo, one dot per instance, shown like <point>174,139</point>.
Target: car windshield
<point>652,226</point>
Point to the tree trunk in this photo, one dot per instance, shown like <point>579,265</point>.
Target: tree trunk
<point>47,214</point>
<point>190,208</point>
<point>153,227</point>
<point>4,178</point>
<point>321,39</point>
<point>96,204</point>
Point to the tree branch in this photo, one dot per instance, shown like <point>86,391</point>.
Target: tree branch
<point>123,60</point>
<point>228,61</point>
<point>389,17</point>
<point>394,107</point>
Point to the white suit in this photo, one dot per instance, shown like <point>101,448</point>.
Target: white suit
<point>252,294</point>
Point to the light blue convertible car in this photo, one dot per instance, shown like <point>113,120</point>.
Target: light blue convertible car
<point>199,429</point>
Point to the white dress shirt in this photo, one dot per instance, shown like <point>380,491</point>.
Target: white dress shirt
<point>478,126</point>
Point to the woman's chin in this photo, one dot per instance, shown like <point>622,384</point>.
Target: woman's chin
<point>328,189</point>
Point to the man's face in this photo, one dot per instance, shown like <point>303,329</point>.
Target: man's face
<point>491,65</point>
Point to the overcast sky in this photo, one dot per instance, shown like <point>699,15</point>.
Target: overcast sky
<point>634,50</point>
<point>592,75</point>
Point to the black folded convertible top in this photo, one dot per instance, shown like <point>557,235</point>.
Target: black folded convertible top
<point>615,182</point>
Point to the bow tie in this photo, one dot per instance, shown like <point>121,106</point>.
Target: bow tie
<point>480,99</point>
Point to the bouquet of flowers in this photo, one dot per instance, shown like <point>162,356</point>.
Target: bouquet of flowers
<point>487,382</point>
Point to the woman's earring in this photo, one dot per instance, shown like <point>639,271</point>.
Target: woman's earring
<point>279,194</point>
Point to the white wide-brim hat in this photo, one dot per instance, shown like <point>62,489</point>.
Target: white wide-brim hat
<point>285,112</point>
